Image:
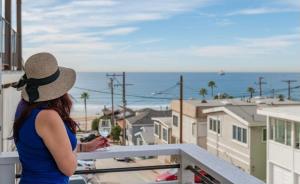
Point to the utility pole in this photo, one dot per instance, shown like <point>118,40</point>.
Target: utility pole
<point>111,85</point>
<point>181,109</point>
<point>124,107</point>
<point>289,86</point>
<point>124,102</point>
<point>261,83</point>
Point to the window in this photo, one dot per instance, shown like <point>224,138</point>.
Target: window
<point>157,129</point>
<point>297,135</point>
<point>264,135</point>
<point>239,134</point>
<point>288,126</point>
<point>215,125</point>
<point>244,139</point>
<point>281,131</point>
<point>165,134</point>
<point>194,129</point>
<point>175,121</point>
<point>272,124</point>
<point>234,136</point>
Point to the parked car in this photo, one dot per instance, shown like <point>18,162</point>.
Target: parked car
<point>124,159</point>
<point>77,179</point>
<point>172,174</point>
<point>86,165</point>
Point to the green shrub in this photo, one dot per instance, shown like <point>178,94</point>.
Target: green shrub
<point>95,124</point>
<point>116,132</point>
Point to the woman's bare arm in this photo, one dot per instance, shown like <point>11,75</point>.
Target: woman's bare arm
<point>51,129</point>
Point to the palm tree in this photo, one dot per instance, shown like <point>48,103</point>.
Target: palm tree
<point>85,96</point>
<point>203,92</point>
<point>212,85</point>
<point>251,90</point>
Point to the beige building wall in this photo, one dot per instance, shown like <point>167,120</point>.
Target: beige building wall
<point>250,157</point>
<point>194,124</point>
<point>224,146</point>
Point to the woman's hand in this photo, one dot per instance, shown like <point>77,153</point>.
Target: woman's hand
<point>95,144</point>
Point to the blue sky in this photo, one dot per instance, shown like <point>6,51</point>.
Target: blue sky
<point>166,35</point>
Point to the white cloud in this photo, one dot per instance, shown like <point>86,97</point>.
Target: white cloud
<point>261,10</point>
<point>51,23</point>
<point>247,47</point>
<point>119,31</point>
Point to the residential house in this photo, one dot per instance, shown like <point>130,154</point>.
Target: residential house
<point>194,120</point>
<point>140,128</point>
<point>10,71</point>
<point>237,134</point>
<point>163,134</point>
<point>283,144</point>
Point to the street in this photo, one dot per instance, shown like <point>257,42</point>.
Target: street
<point>135,177</point>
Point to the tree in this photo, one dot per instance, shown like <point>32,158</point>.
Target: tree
<point>116,132</point>
<point>251,91</point>
<point>281,97</point>
<point>203,93</point>
<point>212,85</point>
<point>85,96</point>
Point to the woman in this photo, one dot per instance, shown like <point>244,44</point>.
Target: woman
<point>43,131</point>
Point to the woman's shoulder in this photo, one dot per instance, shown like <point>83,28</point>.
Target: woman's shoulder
<point>48,120</point>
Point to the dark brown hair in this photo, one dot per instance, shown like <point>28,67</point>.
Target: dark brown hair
<point>61,105</point>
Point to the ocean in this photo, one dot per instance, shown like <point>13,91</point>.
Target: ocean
<point>156,90</point>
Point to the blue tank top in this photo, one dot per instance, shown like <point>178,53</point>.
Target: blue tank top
<point>38,165</point>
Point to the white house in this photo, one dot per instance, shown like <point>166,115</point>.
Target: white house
<point>283,145</point>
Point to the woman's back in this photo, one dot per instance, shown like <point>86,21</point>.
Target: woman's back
<point>38,165</point>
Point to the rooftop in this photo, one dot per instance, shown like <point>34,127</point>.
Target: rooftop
<point>165,120</point>
<point>284,112</point>
<point>144,116</point>
<point>213,103</point>
<point>245,113</point>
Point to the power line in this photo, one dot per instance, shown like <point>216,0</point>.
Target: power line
<point>137,96</point>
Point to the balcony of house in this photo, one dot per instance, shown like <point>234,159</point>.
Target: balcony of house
<point>9,58</point>
<point>190,159</point>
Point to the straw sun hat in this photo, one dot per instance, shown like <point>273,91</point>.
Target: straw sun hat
<point>44,80</point>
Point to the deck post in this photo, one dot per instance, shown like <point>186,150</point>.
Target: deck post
<point>7,173</point>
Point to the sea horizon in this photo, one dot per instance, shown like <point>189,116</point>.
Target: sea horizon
<point>158,89</point>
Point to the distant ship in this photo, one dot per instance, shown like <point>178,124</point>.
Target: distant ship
<point>221,73</point>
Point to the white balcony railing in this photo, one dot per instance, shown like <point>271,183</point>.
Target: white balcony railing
<point>190,155</point>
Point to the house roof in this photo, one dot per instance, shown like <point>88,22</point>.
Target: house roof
<point>145,116</point>
<point>246,114</point>
<point>167,121</point>
<point>214,103</point>
<point>147,134</point>
<point>284,112</point>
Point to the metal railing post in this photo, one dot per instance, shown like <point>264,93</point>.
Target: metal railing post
<point>184,176</point>
<point>7,173</point>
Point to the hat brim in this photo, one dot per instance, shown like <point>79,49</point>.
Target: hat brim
<point>56,89</point>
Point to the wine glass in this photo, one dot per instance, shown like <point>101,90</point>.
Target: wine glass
<point>104,129</point>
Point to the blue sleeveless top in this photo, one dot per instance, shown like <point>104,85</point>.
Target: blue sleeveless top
<point>38,165</point>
